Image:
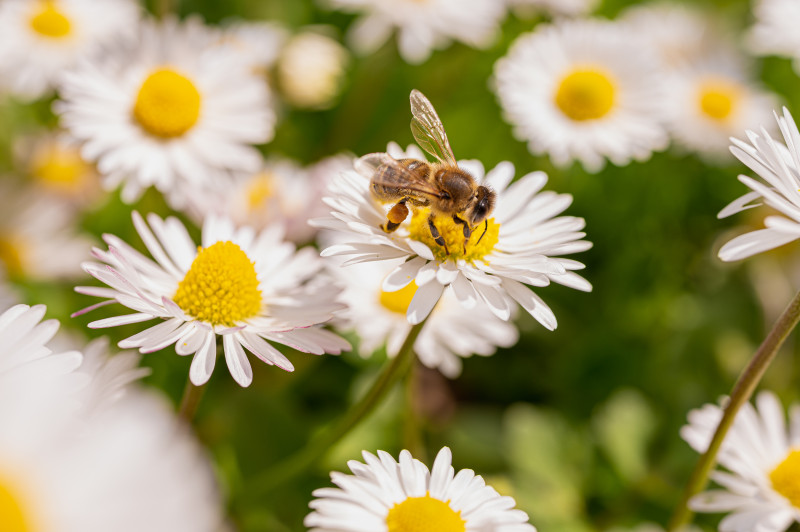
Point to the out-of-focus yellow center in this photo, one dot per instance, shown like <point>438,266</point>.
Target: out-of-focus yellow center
<point>585,95</point>
<point>786,478</point>
<point>260,189</point>
<point>718,99</point>
<point>221,286</point>
<point>12,514</point>
<point>168,104</point>
<point>12,253</point>
<point>60,168</point>
<point>453,235</point>
<point>424,514</point>
<point>400,300</point>
<point>49,21</point>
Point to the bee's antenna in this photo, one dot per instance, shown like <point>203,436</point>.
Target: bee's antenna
<point>485,228</point>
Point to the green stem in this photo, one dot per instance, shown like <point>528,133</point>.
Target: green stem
<point>307,456</point>
<point>165,7</point>
<point>190,400</point>
<point>741,393</point>
<point>412,429</point>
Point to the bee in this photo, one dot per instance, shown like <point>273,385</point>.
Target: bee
<point>443,186</point>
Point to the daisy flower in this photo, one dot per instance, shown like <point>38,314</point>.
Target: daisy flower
<point>282,191</point>
<point>519,246</point>
<point>53,162</point>
<point>384,495</point>
<point>69,462</point>
<point>258,43</point>
<point>422,26</point>
<point>247,288</point>
<point>775,30</point>
<point>584,90</point>
<point>311,70</point>
<point>712,99</point>
<point>778,165</point>
<point>177,111</point>
<point>761,481</point>
<point>379,317</point>
<point>40,39</point>
<point>34,229</point>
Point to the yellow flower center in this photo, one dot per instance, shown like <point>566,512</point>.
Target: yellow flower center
<point>12,252</point>
<point>424,514</point>
<point>786,478</point>
<point>49,21</point>
<point>60,168</point>
<point>12,514</point>
<point>259,190</point>
<point>400,300</point>
<point>453,234</point>
<point>221,287</point>
<point>718,99</point>
<point>585,95</point>
<point>168,104</point>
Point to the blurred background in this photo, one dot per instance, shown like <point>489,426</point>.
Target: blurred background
<point>580,425</point>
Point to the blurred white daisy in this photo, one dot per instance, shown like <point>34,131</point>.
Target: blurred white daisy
<point>311,70</point>
<point>712,99</point>
<point>282,191</point>
<point>71,463</point>
<point>384,495</point>
<point>180,110</point>
<point>585,90</point>
<point>34,229</point>
<point>40,39</point>
<point>53,162</point>
<point>778,164</point>
<point>761,481</point>
<point>775,30</point>
<point>379,317</point>
<point>246,287</point>
<point>518,247</point>
<point>422,26</point>
<point>556,8</point>
<point>259,43</point>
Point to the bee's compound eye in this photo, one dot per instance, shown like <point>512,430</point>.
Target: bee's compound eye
<point>445,195</point>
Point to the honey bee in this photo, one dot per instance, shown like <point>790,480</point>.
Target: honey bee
<point>443,186</point>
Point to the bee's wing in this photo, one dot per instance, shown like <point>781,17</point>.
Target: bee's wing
<point>399,177</point>
<point>428,130</point>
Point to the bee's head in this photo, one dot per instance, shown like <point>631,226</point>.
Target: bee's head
<point>481,205</point>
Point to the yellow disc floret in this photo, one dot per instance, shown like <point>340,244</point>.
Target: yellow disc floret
<point>400,300</point>
<point>49,21</point>
<point>12,254</point>
<point>718,99</point>
<point>221,287</point>
<point>60,168</point>
<point>424,514</point>
<point>585,95</point>
<point>12,516</point>
<point>453,234</point>
<point>168,104</point>
<point>259,189</point>
<point>786,478</point>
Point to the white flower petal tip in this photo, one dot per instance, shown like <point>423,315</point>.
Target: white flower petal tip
<point>397,486</point>
<point>282,297</point>
<point>522,241</point>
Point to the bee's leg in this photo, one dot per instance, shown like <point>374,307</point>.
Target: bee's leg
<point>437,237</point>
<point>466,229</point>
<point>485,228</point>
<point>396,215</point>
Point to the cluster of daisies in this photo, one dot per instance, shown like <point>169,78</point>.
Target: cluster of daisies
<point>183,107</point>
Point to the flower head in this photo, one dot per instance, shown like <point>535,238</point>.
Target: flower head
<point>581,90</point>
<point>404,496</point>
<point>247,288</point>
<point>517,246</point>
<point>180,110</point>
<point>761,484</point>
<point>778,164</point>
<point>774,31</point>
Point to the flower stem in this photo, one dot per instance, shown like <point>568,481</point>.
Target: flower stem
<point>741,393</point>
<point>412,423</point>
<point>165,7</point>
<point>190,400</point>
<point>303,459</point>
